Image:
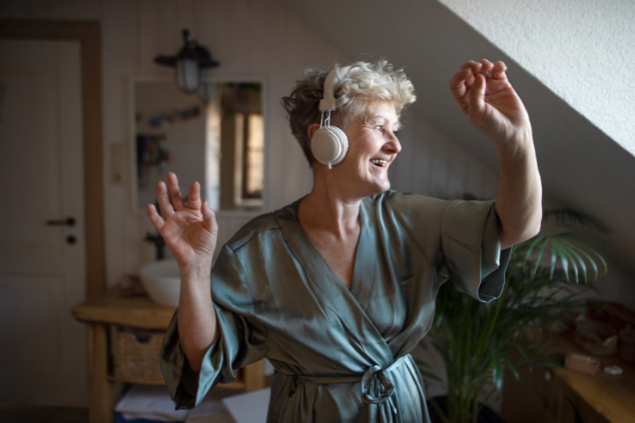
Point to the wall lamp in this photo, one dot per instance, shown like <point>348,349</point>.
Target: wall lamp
<point>188,63</point>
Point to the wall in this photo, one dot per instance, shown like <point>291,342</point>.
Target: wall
<point>430,163</point>
<point>432,41</point>
<point>250,39</point>
<point>184,139</point>
<point>580,49</point>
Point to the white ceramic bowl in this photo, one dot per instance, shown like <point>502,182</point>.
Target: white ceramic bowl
<point>162,282</point>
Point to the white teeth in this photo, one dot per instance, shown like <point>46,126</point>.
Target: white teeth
<point>381,163</point>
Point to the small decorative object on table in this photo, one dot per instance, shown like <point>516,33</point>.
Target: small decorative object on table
<point>597,337</point>
<point>613,370</point>
<point>582,363</point>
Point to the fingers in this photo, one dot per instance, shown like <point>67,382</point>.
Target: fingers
<point>470,64</point>
<point>174,192</point>
<point>498,71</point>
<point>155,218</point>
<point>486,66</point>
<point>209,219</point>
<point>464,74</point>
<point>466,78</point>
<point>491,70</point>
<point>459,84</point>
<point>463,80</point>
<point>194,196</point>
<point>164,201</point>
<point>476,99</point>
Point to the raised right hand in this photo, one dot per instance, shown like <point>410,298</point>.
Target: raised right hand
<point>190,231</point>
<point>487,98</point>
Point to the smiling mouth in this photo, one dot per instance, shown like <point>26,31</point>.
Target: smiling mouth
<point>379,163</point>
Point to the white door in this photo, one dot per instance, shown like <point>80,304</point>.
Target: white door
<point>42,272</point>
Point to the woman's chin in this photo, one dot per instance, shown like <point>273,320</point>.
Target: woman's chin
<point>385,187</point>
<point>383,183</point>
<point>378,187</point>
<point>368,185</point>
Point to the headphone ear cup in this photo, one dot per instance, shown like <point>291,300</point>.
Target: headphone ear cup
<point>329,145</point>
<point>343,142</point>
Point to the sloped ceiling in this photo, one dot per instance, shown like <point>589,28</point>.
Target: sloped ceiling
<point>580,49</point>
<point>581,166</point>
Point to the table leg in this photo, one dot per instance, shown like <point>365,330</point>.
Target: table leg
<point>102,391</point>
<point>255,376</point>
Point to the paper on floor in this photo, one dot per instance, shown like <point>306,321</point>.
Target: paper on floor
<point>149,402</point>
<point>250,407</point>
<point>211,409</point>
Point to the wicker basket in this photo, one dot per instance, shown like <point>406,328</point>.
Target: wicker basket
<point>136,354</point>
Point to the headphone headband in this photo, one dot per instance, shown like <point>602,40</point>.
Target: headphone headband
<point>334,76</point>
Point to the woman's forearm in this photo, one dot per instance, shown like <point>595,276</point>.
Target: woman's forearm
<point>519,202</point>
<point>198,328</point>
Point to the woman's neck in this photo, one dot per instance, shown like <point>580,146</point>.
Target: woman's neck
<point>328,208</point>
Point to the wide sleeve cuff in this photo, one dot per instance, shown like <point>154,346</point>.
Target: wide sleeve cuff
<point>472,249</point>
<point>188,388</point>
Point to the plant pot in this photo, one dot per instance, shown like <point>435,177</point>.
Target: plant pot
<point>486,415</point>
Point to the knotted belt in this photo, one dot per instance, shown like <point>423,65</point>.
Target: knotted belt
<point>377,388</point>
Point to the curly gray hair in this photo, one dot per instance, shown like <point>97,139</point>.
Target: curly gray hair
<point>365,82</point>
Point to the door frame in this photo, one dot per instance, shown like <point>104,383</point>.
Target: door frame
<point>88,34</point>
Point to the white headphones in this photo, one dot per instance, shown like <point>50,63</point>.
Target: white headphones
<point>329,144</point>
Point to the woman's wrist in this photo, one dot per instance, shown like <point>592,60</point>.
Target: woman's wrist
<point>196,271</point>
<point>517,146</point>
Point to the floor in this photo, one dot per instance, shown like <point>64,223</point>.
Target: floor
<point>40,414</point>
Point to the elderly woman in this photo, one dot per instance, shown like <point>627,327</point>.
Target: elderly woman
<point>337,288</point>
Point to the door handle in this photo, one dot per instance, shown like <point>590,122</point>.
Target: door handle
<point>69,221</point>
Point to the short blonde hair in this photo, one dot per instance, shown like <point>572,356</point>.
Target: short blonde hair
<point>364,83</point>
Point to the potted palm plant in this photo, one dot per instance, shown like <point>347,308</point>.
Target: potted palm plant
<point>547,275</point>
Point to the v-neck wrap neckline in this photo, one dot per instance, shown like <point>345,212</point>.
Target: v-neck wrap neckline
<point>362,243</point>
<point>345,302</point>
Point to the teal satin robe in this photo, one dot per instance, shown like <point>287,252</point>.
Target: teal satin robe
<point>340,355</point>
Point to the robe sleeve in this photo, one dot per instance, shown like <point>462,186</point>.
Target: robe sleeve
<point>241,341</point>
<point>472,249</point>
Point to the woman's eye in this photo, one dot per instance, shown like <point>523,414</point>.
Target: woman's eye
<point>380,128</point>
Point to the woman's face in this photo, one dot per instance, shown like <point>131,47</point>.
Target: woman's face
<point>373,145</point>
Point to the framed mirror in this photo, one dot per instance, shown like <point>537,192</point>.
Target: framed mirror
<point>215,137</point>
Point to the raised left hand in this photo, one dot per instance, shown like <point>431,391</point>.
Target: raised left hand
<point>484,94</point>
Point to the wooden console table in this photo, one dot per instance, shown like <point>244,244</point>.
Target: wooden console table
<point>139,313</point>
<point>566,396</point>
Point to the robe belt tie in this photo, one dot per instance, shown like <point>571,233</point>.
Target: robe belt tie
<point>377,388</point>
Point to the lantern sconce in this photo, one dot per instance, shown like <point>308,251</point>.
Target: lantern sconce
<point>188,63</point>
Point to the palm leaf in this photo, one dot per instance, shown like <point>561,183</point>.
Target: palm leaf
<point>511,368</point>
<point>571,218</point>
<point>497,372</point>
<point>566,249</point>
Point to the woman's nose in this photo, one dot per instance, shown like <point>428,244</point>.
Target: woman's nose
<point>393,146</point>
